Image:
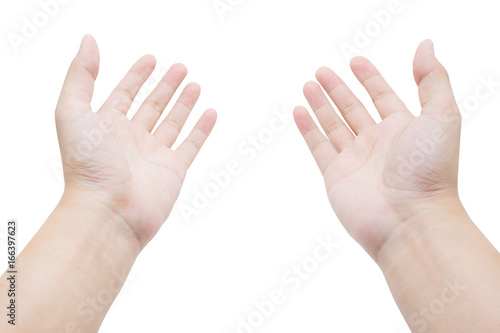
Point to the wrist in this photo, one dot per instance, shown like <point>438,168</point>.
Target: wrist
<point>440,267</point>
<point>91,214</point>
<point>77,262</point>
<point>423,224</point>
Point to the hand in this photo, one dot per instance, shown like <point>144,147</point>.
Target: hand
<point>378,176</point>
<point>120,164</point>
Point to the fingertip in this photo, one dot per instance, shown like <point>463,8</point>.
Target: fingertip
<point>209,118</point>
<point>193,87</point>
<point>362,68</point>
<point>83,71</point>
<point>149,58</point>
<point>85,39</point>
<point>211,113</point>
<point>424,60</point>
<point>145,64</point>
<point>300,115</point>
<point>328,78</point>
<point>175,75</point>
<point>88,40</point>
<point>299,110</point>
<point>430,45</point>
<point>88,44</point>
<point>424,51</point>
<point>323,72</point>
<point>358,61</point>
<point>426,46</point>
<point>180,68</point>
<point>87,58</point>
<point>309,87</point>
<point>88,54</point>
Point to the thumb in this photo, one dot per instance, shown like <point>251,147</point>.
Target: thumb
<point>434,88</point>
<point>78,87</point>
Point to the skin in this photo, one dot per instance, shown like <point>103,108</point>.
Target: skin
<point>122,179</point>
<point>393,186</point>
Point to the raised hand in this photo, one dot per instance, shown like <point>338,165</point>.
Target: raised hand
<point>379,176</point>
<point>112,161</point>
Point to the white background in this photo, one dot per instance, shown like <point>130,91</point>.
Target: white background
<point>201,276</point>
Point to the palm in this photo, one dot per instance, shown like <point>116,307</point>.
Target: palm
<point>109,156</point>
<point>129,164</point>
<point>372,177</point>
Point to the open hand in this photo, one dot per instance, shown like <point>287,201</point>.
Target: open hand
<point>112,161</point>
<point>378,176</point>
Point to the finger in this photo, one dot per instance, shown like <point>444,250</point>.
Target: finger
<point>171,126</point>
<point>385,99</point>
<point>334,127</point>
<point>78,86</point>
<point>353,111</point>
<point>152,108</point>
<point>193,143</point>
<point>321,149</point>
<point>124,94</point>
<point>434,88</point>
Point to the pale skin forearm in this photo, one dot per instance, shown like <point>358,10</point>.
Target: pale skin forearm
<point>72,270</point>
<point>442,272</point>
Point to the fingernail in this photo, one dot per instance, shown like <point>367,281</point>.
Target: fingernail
<point>431,46</point>
<point>84,40</point>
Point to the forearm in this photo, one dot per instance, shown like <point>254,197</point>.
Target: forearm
<point>72,270</point>
<point>443,273</point>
